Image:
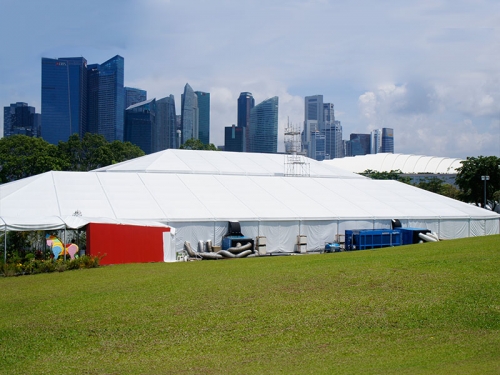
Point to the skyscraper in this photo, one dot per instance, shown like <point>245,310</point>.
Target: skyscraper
<point>140,124</point>
<point>313,122</point>
<point>376,141</point>
<point>359,144</point>
<point>151,124</point>
<point>165,135</point>
<point>111,104</point>
<point>64,98</point>
<point>203,99</point>
<point>80,98</point>
<point>245,104</point>
<point>20,118</point>
<point>233,138</point>
<point>134,96</point>
<point>263,133</point>
<point>387,140</point>
<point>189,114</point>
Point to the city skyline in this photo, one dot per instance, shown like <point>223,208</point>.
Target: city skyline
<point>400,66</point>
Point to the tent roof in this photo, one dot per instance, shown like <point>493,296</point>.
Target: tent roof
<point>169,197</point>
<point>221,163</point>
<point>406,163</point>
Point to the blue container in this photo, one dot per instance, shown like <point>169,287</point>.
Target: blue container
<point>363,239</point>
<point>410,236</point>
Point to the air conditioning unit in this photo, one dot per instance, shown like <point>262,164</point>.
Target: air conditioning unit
<point>302,244</point>
<point>261,245</point>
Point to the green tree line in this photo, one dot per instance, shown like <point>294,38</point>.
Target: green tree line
<point>469,188</point>
<point>22,156</point>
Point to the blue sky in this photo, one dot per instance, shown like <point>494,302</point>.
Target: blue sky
<point>428,69</point>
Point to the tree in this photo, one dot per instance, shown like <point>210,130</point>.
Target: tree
<point>392,175</point>
<point>196,144</point>
<point>22,156</point>
<point>469,178</point>
<point>93,151</point>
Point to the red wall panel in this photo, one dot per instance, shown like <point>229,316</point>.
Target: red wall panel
<point>125,243</point>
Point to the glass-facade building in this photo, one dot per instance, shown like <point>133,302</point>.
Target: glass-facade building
<point>387,140</point>
<point>140,124</point>
<point>20,118</point>
<point>165,133</point>
<point>80,98</point>
<point>111,99</point>
<point>203,99</point>
<point>189,114</point>
<point>233,138</point>
<point>359,144</point>
<point>246,102</point>
<point>263,132</point>
<point>134,96</point>
<point>64,98</point>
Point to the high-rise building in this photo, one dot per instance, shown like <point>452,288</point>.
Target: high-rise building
<point>359,144</point>
<point>313,122</point>
<point>20,118</point>
<point>245,104</point>
<point>111,105</point>
<point>233,138</point>
<point>151,124</point>
<point>387,140</point>
<point>263,133</point>
<point>80,98</point>
<point>322,134</point>
<point>376,141</point>
<point>165,135</point>
<point>189,114</point>
<point>134,96</point>
<point>140,125</point>
<point>64,98</point>
<point>203,99</point>
<point>333,136</point>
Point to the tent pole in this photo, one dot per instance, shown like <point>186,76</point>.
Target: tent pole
<point>64,244</point>
<point>5,245</point>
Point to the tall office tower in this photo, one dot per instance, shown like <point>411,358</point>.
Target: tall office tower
<point>203,116</point>
<point>165,135</point>
<point>359,144</point>
<point>313,122</point>
<point>140,125</point>
<point>189,114</point>
<point>233,138</point>
<point>334,145</point>
<point>263,133</point>
<point>64,98</point>
<point>20,118</point>
<point>245,104</point>
<point>134,96</point>
<point>317,145</point>
<point>376,141</point>
<point>111,105</point>
<point>387,140</point>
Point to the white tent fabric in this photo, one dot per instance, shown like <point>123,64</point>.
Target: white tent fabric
<point>407,164</point>
<point>199,205</point>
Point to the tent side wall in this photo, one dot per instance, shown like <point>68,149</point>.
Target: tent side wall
<point>125,243</point>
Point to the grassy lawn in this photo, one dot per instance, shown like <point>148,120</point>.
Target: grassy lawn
<point>422,309</point>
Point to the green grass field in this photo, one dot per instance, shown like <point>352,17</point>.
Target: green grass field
<point>422,309</point>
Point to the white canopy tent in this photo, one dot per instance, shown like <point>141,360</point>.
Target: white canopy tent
<point>198,192</point>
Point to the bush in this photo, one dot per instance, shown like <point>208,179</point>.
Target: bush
<point>33,266</point>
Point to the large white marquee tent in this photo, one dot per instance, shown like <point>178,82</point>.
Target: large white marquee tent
<point>198,192</point>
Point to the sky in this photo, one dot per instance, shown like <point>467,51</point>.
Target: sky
<point>429,69</point>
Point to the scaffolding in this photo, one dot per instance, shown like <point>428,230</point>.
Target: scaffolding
<point>296,164</point>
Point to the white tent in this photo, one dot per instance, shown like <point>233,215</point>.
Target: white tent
<point>198,192</point>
